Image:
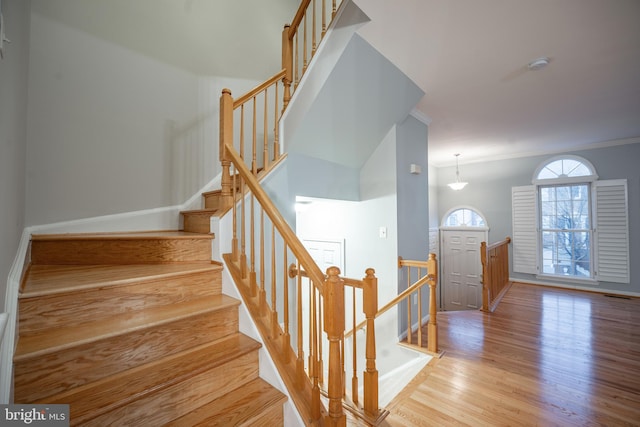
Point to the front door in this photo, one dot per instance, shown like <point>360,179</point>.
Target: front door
<point>461,269</point>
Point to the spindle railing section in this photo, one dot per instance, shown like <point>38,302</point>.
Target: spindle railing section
<point>299,309</point>
<point>418,274</point>
<point>495,273</point>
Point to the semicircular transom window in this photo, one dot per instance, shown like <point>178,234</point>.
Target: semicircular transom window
<point>566,167</point>
<point>464,217</point>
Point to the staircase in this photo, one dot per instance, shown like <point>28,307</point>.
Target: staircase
<point>132,329</point>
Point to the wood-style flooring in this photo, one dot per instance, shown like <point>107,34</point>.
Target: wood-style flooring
<point>545,357</point>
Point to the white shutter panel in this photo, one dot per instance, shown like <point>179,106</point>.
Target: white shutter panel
<point>611,231</point>
<point>525,235</point>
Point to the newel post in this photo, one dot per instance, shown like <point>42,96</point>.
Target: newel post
<point>370,308</point>
<point>334,323</point>
<point>287,65</point>
<point>226,140</point>
<point>432,328</point>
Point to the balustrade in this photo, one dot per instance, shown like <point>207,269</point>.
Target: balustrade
<point>495,272</point>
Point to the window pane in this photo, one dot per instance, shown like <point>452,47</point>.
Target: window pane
<point>566,230</point>
<point>464,217</point>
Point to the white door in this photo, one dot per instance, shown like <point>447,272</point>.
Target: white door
<point>461,269</point>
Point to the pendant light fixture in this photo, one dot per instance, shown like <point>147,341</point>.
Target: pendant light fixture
<point>458,185</point>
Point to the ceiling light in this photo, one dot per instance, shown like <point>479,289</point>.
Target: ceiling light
<point>538,64</point>
<point>458,185</point>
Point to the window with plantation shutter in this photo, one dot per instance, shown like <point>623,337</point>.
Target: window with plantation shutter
<point>558,231</point>
<point>611,231</point>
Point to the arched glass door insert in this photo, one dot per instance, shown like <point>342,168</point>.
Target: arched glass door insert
<point>464,217</point>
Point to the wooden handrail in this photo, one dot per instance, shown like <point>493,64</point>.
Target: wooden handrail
<point>400,297</point>
<point>315,274</point>
<point>492,246</point>
<point>258,89</point>
<point>297,19</point>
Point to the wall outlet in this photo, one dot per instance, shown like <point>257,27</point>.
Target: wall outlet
<point>383,232</point>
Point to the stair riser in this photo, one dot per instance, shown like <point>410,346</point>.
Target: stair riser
<point>119,251</point>
<point>40,376</point>
<point>39,313</point>
<point>180,399</point>
<point>212,200</point>
<point>197,223</point>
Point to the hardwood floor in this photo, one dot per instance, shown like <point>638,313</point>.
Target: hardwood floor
<point>545,357</point>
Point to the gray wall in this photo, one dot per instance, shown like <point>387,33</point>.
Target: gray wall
<point>412,189</point>
<point>489,191</point>
<point>412,206</point>
<point>13,127</point>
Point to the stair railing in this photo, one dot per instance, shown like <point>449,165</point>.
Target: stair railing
<point>361,301</point>
<point>290,314</point>
<point>300,39</point>
<point>418,274</point>
<point>495,273</point>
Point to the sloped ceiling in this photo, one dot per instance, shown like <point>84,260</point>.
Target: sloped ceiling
<point>364,96</point>
<point>232,38</point>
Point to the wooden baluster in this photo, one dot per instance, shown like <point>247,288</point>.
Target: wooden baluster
<point>234,240</point>
<point>297,61</point>
<point>300,360</point>
<point>313,29</point>
<point>253,283</point>
<point>324,18</point>
<point>334,327</point>
<point>320,353</point>
<point>226,139</point>
<point>354,350</point>
<point>333,10</point>
<point>304,46</point>
<point>314,361</point>
<point>265,127</point>
<point>370,308</point>
<point>276,121</point>
<point>419,292</point>
<point>263,292</point>
<point>287,65</point>
<point>254,142</point>
<point>409,316</point>
<point>274,300</point>
<point>432,329</point>
<point>243,232</point>
<point>286,337</point>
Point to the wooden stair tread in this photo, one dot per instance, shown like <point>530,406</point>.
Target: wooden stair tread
<point>93,399</point>
<point>56,279</point>
<point>141,235</point>
<point>205,211</point>
<point>57,339</point>
<point>241,407</point>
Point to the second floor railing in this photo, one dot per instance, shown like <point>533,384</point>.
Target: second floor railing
<point>418,274</point>
<point>495,272</point>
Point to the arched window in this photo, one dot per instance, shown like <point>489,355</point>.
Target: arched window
<point>464,217</point>
<point>564,169</point>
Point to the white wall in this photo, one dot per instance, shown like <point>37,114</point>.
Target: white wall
<point>102,119</point>
<point>13,127</point>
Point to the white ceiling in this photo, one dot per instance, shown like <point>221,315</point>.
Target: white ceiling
<point>468,56</point>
